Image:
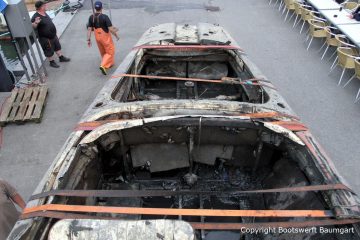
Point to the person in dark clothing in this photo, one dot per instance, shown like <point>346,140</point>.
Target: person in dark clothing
<point>356,14</point>
<point>47,34</point>
<point>102,27</point>
<point>339,1</point>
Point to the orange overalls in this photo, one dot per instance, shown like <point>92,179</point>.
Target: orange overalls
<point>105,45</point>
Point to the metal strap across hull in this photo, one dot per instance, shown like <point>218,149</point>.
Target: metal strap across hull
<point>206,226</point>
<point>179,212</point>
<point>162,193</point>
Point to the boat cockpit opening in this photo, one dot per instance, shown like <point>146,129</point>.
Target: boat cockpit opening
<point>211,74</point>
<point>185,154</point>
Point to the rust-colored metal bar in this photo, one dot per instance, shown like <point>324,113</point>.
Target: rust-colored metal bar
<point>88,126</point>
<point>268,115</point>
<point>291,125</point>
<point>220,81</point>
<point>206,226</point>
<point>262,115</point>
<point>177,212</point>
<point>168,78</point>
<point>189,47</point>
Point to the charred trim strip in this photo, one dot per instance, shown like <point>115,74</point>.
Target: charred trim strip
<point>190,47</point>
<point>319,154</point>
<point>292,125</point>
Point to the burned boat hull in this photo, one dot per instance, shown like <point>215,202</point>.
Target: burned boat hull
<point>170,138</point>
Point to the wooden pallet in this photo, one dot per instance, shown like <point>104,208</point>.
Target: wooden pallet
<point>24,104</point>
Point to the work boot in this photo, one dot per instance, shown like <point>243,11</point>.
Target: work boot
<point>64,59</point>
<point>103,70</point>
<point>54,64</point>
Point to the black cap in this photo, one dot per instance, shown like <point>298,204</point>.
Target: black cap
<point>98,5</point>
<point>38,4</point>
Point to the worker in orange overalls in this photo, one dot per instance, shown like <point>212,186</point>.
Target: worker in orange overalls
<point>102,27</point>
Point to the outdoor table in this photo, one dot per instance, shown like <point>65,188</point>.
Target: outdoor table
<point>352,31</point>
<point>324,4</point>
<point>330,10</point>
<point>342,17</point>
<point>349,27</point>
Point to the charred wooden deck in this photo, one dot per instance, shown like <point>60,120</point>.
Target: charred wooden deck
<point>24,104</point>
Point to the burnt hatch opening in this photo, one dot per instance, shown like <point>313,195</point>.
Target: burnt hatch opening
<point>207,65</point>
<point>183,156</point>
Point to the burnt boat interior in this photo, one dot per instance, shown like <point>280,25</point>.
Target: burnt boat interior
<point>208,65</point>
<point>185,154</point>
<point>211,157</point>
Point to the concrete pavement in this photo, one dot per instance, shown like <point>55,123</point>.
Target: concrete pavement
<point>277,49</point>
